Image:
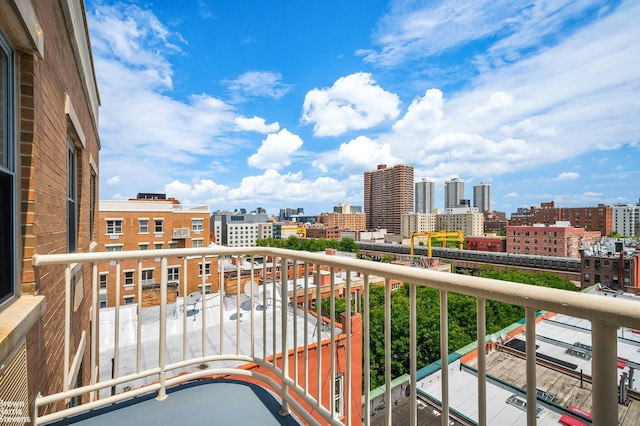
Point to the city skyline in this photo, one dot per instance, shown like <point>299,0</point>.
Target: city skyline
<point>212,106</point>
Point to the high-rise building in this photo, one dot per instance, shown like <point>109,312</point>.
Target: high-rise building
<point>453,193</point>
<point>388,193</point>
<point>425,191</point>
<point>482,197</point>
<point>625,219</point>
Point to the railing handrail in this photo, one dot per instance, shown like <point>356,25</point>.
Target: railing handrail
<point>615,311</point>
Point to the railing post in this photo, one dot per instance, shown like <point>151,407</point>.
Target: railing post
<point>413,355</point>
<point>605,374</point>
<point>162,345</point>
<point>482,361</point>
<point>67,325</point>
<point>444,356</point>
<point>387,351</point>
<point>284,308</point>
<point>530,326</point>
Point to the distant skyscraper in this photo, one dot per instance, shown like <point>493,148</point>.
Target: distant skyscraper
<point>424,202</point>
<point>482,197</point>
<point>453,193</point>
<point>388,193</point>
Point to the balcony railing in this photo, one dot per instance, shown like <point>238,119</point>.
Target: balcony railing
<point>293,378</point>
<point>181,233</point>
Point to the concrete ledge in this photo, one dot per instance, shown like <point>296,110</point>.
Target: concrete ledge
<point>16,320</point>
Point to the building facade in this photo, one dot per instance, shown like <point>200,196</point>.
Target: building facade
<point>482,197</point>
<point>611,265</point>
<point>49,167</point>
<point>388,193</point>
<point>626,218</point>
<point>453,193</point>
<point>352,221</point>
<point>153,224</point>
<point>494,244</point>
<point>470,222</point>
<point>425,196</point>
<point>240,229</point>
<point>561,240</point>
<point>418,222</point>
<point>598,218</point>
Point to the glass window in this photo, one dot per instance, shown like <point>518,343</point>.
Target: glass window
<point>103,280</point>
<point>128,300</point>
<point>114,227</point>
<point>173,245</point>
<point>207,269</point>
<point>147,277</point>
<point>72,205</point>
<point>114,248</point>
<point>339,393</point>
<point>92,203</point>
<point>196,224</point>
<point>158,246</point>
<point>197,243</point>
<point>143,246</point>
<point>173,273</point>
<point>144,226</point>
<point>157,226</point>
<point>128,278</point>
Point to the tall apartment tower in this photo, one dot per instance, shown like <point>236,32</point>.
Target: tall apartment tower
<point>453,193</point>
<point>388,193</point>
<point>424,202</point>
<point>482,197</point>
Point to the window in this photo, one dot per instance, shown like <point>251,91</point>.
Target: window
<point>7,176</point>
<point>147,277</point>
<point>143,246</point>
<point>103,280</point>
<point>339,395</point>
<point>197,243</point>
<point>113,247</point>
<point>92,203</point>
<point>173,274</point>
<point>128,280</point>
<point>72,204</point>
<point>207,269</point>
<point>173,244</point>
<point>114,227</point>
<point>196,224</point>
<point>143,226</point>
<point>207,288</point>
<point>129,300</point>
<point>157,226</point>
<point>587,277</point>
<point>158,246</point>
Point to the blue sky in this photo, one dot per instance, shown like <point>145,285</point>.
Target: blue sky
<point>240,104</point>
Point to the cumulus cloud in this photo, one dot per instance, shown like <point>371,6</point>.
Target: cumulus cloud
<point>276,150</point>
<point>113,180</point>
<point>256,124</point>
<point>568,176</point>
<point>497,102</point>
<point>354,102</point>
<point>424,116</point>
<point>512,195</point>
<point>259,84</point>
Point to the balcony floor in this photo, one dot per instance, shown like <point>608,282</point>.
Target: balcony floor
<point>205,402</point>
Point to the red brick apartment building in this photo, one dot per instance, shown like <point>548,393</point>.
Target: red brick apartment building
<point>323,232</point>
<point>494,244</point>
<point>558,241</point>
<point>49,157</point>
<point>590,218</point>
<point>153,223</point>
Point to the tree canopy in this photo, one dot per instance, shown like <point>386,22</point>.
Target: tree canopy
<point>309,244</point>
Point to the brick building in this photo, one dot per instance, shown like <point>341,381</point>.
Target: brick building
<point>495,222</point>
<point>561,240</point>
<point>494,244</point>
<point>323,232</point>
<point>611,265</point>
<point>352,221</point>
<point>49,156</point>
<point>598,218</point>
<point>153,224</point>
<point>388,193</point>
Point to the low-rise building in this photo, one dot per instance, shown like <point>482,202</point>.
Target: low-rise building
<point>469,220</point>
<point>152,224</point>
<point>418,222</point>
<point>611,264</point>
<point>559,240</point>
<point>240,228</point>
<point>494,244</point>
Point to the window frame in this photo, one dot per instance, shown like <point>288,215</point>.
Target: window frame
<point>72,197</point>
<point>158,224</point>
<point>173,274</point>
<point>8,179</point>
<point>143,229</point>
<point>113,228</point>
<point>195,227</point>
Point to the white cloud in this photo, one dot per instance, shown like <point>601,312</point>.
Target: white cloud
<point>568,176</point>
<point>276,150</point>
<point>201,191</point>
<point>354,102</point>
<point>259,84</point>
<point>256,124</point>
<point>497,102</point>
<point>113,180</point>
<point>424,117</point>
<point>512,195</point>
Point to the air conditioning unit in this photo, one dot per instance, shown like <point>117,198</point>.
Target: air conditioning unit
<point>181,233</point>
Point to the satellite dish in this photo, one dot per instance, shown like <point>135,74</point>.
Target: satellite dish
<point>251,288</point>
<point>494,338</point>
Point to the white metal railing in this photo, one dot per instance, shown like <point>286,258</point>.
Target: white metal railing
<point>605,314</point>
